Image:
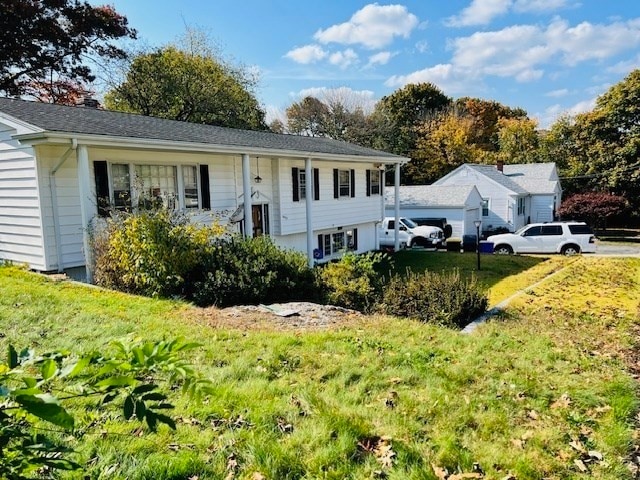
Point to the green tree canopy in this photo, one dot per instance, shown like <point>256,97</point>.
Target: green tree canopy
<point>45,43</point>
<point>192,86</point>
<point>404,110</point>
<point>308,117</point>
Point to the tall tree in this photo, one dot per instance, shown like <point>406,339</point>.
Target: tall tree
<point>518,140</point>
<point>189,84</point>
<point>404,110</point>
<point>308,117</point>
<point>46,41</point>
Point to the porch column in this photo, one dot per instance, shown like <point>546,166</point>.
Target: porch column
<point>246,190</point>
<point>310,195</point>
<point>396,186</point>
<point>86,207</point>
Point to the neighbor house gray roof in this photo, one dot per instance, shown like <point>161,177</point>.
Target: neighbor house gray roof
<point>104,123</point>
<point>430,195</point>
<point>538,178</point>
<point>496,175</point>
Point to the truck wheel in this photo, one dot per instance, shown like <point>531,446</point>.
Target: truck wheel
<point>569,250</point>
<point>503,250</point>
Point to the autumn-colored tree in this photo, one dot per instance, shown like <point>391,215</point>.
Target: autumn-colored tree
<point>42,40</point>
<point>595,208</point>
<point>518,140</point>
<point>308,117</point>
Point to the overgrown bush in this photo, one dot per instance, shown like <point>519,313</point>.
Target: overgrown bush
<point>252,271</point>
<point>440,298</point>
<point>353,281</point>
<point>154,253</point>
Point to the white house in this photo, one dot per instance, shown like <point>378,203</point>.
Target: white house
<point>513,195</point>
<point>460,205</point>
<point>60,167</point>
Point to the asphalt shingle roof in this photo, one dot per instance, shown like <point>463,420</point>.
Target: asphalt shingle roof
<point>496,175</point>
<point>92,121</point>
<point>430,195</point>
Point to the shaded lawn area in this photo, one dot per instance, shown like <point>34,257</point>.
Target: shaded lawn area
<point>542,392</point>
<point>502,275</point>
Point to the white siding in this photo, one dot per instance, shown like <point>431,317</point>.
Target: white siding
<point>21,233</point>
<point>328,212</point>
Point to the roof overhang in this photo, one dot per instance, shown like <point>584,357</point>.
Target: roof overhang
<point>63,138</point>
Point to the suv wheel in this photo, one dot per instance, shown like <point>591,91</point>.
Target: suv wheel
<point>569,250</point>
<point>503,250</point>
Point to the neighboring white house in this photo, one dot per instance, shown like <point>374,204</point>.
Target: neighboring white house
<point>60,167</point>
<point>513,195</point>
<point>460,205</point>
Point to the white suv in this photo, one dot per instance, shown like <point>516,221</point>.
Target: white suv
<point>568,238</point>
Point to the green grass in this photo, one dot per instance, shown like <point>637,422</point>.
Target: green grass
<point>511,398</point>
<point>501,275</point>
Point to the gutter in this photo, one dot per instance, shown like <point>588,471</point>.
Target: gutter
<point>158,144</point>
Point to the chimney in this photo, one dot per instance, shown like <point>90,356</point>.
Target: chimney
<point>500,165</point>
<point>89,102</point>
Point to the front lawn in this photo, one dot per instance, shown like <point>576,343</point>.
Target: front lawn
<point>542,392</point>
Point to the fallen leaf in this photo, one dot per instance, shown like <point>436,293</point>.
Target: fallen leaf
<point>518,443</point>
<point>527,435</point>
<point>577,445</point>
<point>580,464</point>
<point>462,476</point>
<point>595,454</point>
<point>562,403</point>
<point>258,476</point>
<point>441,473</point>
<point>532,414</point>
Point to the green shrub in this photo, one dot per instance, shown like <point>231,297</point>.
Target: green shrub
<point>353,281</point>
<point>154,253</point>
<point>444,298</point>
<point>251,271</point>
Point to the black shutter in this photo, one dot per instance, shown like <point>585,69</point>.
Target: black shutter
<point>353,183</point>
<point>355,239</point>
<point>368,183</point>
<point>336,187</point>
<point>205,187</point>
<point>102,187</point>
<point>295,177</point>
<point>316,184</point>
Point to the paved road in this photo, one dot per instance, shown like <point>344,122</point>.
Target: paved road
<point>612,249</point>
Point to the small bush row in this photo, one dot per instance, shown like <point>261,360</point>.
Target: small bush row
<point>161,253</point>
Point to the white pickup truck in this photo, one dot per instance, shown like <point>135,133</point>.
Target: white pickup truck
<point>410,234</point>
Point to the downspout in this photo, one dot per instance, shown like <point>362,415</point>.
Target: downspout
<point>53,190</point>
<point>309,208</point>
<point>396,186</point>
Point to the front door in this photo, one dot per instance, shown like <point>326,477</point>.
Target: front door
<point>260,219</point>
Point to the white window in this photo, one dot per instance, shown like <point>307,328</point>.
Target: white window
<point>344,183</point>
<point>190,179</point>
<point>302,183</point>
<point>153,186</point>
<point>374,182</point>
<point>485,208</point>
<point>121,186</point>
<point>338,242</point>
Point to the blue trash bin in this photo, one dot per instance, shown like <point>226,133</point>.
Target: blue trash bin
<point>486,247</point>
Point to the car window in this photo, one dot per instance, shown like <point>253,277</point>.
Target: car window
<point>532,231</point>
<point>392,225</point>
<point>408,222</point>
<point>580,229</point>
<point>552,230</point>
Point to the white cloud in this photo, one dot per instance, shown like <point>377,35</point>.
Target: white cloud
<point>373,26</point>
<point>480,12</point>
<point>597,90</point>
<point>380,58</point>
<point>538,5</point>
<point>552,113</point>
<point>562,92</point>
<point>625,66</point>
<point>422,46</point>
<point>307,54</point>
<point>448,77</point>
<point>343,59</point>
<point>520,50</point>
<point>583,106</point>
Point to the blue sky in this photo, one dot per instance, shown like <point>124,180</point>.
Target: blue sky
<point>547,56</point>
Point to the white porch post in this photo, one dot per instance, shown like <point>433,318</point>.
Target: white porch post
<point>86,207</point>
<point>246,190</point>
<point>310,195</point>
<point>383,190</point>
<point>396,186</point>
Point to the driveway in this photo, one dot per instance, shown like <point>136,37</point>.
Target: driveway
<point>613,249</point>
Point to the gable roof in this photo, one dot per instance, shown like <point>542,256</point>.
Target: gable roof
<point>497,176</point>
<point>97,123</point>
<point>431,195</point>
